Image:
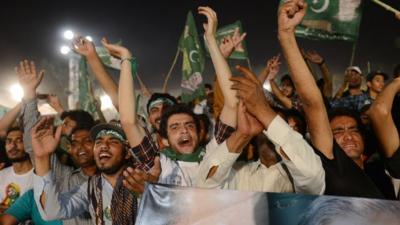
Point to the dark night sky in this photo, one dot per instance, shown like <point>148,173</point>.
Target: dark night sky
<point>151,30</point>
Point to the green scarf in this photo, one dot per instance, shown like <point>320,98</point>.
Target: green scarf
<point>196,156</point>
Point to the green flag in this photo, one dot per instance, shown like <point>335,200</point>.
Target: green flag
<point>240,52</point>
<point>86,98</point>
<point>331,20</point>
<point>193,62</point>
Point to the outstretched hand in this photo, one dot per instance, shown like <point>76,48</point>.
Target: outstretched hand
<point>44,140</point>
<point>313,56</point>
<point>83,47</point>
<point>273,66</point>
<point>29,78</point>
<point>134,179</point>
<point>247,124</point>
<point>116,50</point>
<point>250,91</point>
<point>290,14</point>
<point>230,43</point>
<point>210,27</point>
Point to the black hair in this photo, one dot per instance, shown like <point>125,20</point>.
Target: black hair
<point>287,77</point>
<point>176,109</point>
<point>301,122</point>
<point>11,129</point>
<point>341,111</point>
<point>156,96</point>
<point>208,86</point>
<point>206,121</point>
<point>82,118</point>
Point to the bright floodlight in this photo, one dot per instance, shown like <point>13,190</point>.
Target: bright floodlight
<point>65,49</point>
<point>106,102</point>
<point>68,34</point>
<point>16,92</point>
<point>89,38</point>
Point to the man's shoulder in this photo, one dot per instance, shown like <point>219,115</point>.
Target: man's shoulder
<point>6,171</point>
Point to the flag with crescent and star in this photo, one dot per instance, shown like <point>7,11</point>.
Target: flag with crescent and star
<point>193,62</point>
<point>331,20</point>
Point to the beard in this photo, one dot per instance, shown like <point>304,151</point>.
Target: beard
<point>113,169</point>
<point>23,158</point>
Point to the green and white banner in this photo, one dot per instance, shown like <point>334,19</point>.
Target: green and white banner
<point>331,20</point>
<point>240,52</point>
<point>86,98</point>
<point>193,62</point>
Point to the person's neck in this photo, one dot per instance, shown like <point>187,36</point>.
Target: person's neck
<point>372,94</point>
<point>355,91</point>
<point>359,162</point>
<point>22,167</point>
<point>89,170</point>
<point>112,178</point>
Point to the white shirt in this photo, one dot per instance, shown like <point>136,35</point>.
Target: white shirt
<point>186,173</point>
<point>14,185</point>
<point>255,176</point>
<point>304,166</point>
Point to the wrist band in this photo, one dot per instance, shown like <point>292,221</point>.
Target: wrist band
<point>133,65</point>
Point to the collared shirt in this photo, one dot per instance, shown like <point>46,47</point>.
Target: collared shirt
<point>68,204</point>
<point>303,164</point>
<point>255,176</point>
<point>354,102</point>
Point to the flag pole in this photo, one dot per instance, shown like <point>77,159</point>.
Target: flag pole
<point>165,85</point>
<point>353,53</point>
<point>386,6</point>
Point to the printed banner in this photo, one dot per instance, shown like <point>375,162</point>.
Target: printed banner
<point>172,205</point>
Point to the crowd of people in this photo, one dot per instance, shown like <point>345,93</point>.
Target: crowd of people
<point>298,138</point>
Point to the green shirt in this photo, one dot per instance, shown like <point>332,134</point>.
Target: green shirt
<point>25,209</point>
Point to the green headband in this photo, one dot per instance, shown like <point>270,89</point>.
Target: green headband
<point>111,133</point>
<point>160,100</point>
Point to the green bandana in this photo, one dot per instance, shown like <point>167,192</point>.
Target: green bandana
<point>111,133</point>
<point>196,156</point>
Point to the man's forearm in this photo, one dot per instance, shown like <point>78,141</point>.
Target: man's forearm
<point>43,165</point>
<point>31,115</point>
<point>105,80</point>
<point>223,72</point>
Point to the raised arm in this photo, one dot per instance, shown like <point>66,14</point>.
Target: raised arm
<point>315,58</point>
<point>88,50</point>
<point>127,101</point>
<point>228,113</point>
<point>290,14</point>
<point>285,101</point>
<point>29,79</point>
<point>8,119</point>
<point>344,86</point>
<point>382,120</point>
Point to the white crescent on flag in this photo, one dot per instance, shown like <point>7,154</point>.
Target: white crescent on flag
<point>191,54</point>
<point>322,8</point>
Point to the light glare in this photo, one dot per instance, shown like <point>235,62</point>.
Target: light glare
<point>106,102</point>
<point>17,93</point>
<point>68,34</point>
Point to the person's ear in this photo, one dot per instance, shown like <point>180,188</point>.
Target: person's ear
<point>369,84</point>
<point>165,142</point>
